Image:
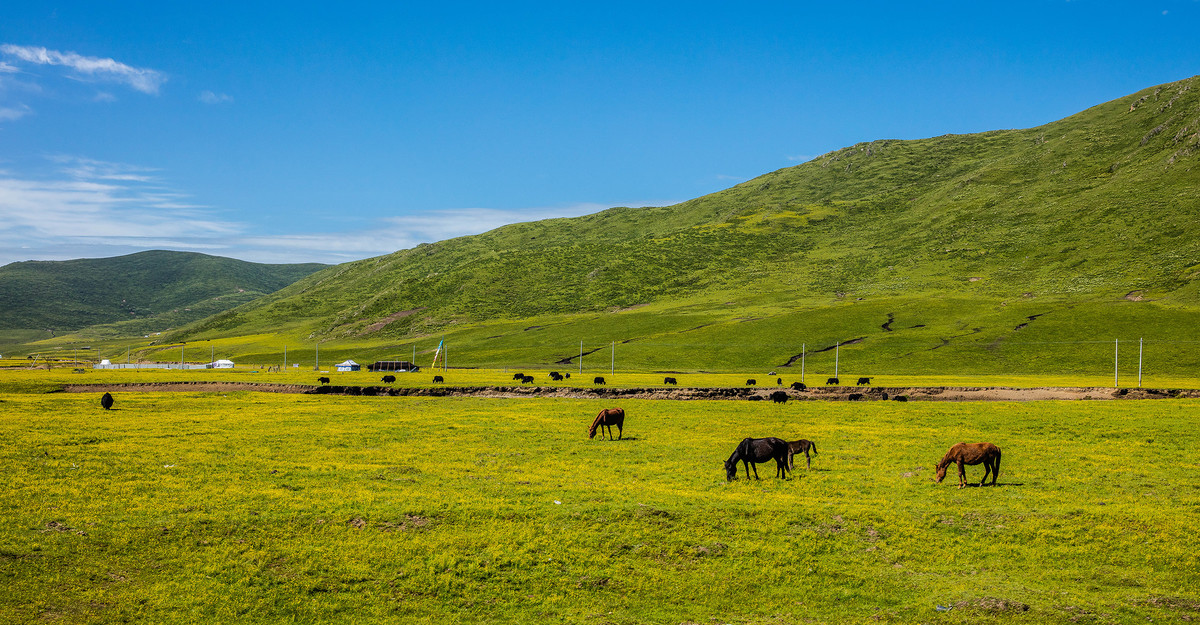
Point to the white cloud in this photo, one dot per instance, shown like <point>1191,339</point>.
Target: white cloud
<point>92,208</point>
<point>90,169</point>
<point>8,114</point>
<point>141,79</point>
<point>95,208</point>
<point>209,97</point>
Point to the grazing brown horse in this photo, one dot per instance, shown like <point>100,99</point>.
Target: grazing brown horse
<point>608,418</point>
<point>801,446</point>
<point>752,451</point>
<point>971,453</point>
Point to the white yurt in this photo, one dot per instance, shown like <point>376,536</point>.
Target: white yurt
<point>348,365</point>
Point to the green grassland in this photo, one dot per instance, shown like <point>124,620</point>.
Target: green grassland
<point>947,337</point>
<point>56,379</point>
<point>249,507</point>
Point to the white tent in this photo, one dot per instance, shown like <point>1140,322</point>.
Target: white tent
<point>222,364</point>
<point>349,365</point>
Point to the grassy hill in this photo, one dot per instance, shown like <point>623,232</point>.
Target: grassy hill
<point>974,251</point>
<point>145,291</point>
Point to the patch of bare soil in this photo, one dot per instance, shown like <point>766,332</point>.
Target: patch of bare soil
<point>378,325</point>
<point>194,387</point>
<point>819,393</point>
<point>991,605</point>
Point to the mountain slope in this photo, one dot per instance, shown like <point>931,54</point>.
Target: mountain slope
<point>73,294</point>
<point>1099,204</point>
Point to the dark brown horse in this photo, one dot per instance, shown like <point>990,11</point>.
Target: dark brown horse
<point>801,446</point>
<point>608,418</point>
<point>752,451</point>
<point>971,453</point>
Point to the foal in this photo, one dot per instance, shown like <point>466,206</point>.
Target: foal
<point>801,446</point>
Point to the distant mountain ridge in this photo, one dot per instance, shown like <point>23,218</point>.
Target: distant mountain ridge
<point>63,296</point>
<point>1097,205</point>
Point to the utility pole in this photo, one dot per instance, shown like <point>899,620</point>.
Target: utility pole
<point>580,357</point>
<point>837,356</point>
<point>1140,363</point>
<point>1116,371</point>
<point>802,346</point>
<point>612,370</point>
<point>284,358</point>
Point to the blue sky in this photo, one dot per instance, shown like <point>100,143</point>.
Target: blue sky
<point>329,132</point>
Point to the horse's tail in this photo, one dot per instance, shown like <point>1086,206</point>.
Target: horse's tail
<point>814,447</point>
<point>996,469</point>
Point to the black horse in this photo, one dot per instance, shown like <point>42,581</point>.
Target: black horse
<point>751,451</point>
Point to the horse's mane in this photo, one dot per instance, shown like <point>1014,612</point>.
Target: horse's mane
<point>948,458</point>
<point>599,420</point>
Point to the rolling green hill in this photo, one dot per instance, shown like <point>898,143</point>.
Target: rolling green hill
<point>907,249</point>
<point>155,290</point>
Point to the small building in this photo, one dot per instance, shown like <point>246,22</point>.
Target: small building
<point>221,364</point>
<point>348,365</point>
<point>393,365</point>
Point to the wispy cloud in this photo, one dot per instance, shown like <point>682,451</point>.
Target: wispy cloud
<point>392,234</point>
<point>80,168</point>
<point>104,69</point>
<point>208,97</point>
<point>85,207</point>
<point>10,113</point>
<point>90,208</point>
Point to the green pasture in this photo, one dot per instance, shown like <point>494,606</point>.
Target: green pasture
<point>256,507</point>
<point>924,337</point>
<point>42,380</point>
